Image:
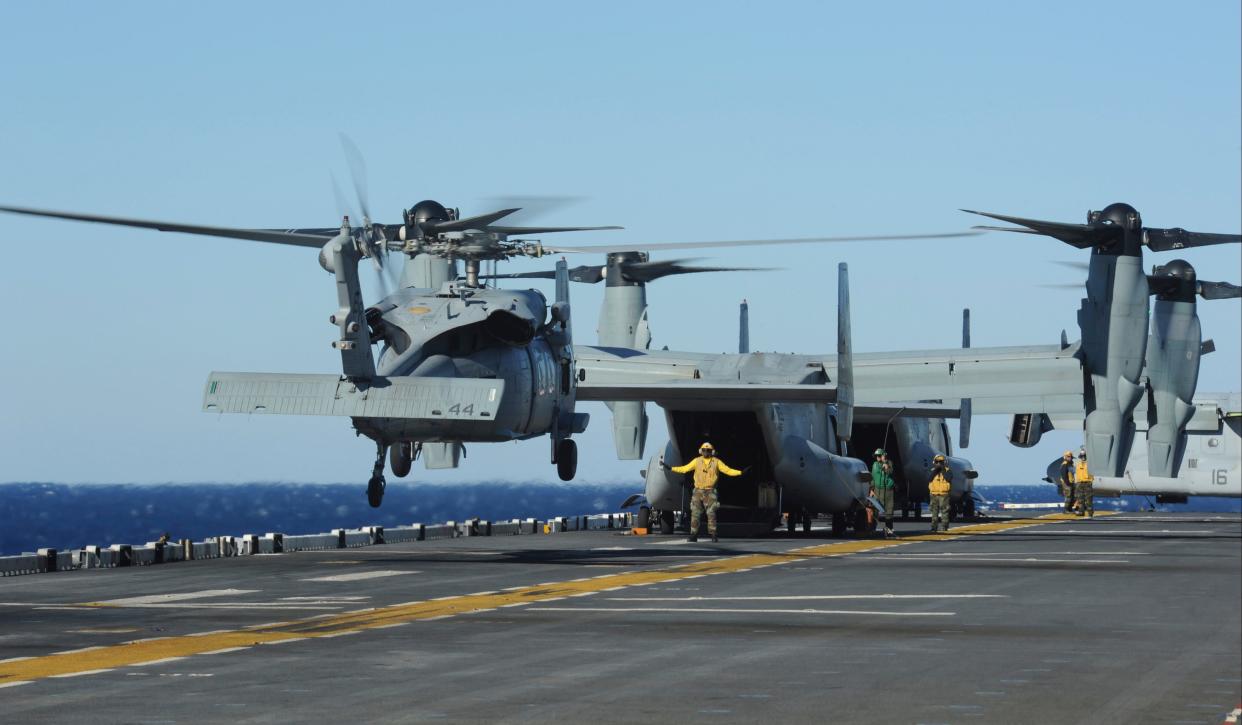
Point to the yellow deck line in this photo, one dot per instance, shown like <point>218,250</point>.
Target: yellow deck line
<point>146,651</point>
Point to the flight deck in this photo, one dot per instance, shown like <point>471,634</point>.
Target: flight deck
<point>1131,617</point>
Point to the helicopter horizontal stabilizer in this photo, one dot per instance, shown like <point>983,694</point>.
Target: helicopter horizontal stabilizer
<point>397,398</point>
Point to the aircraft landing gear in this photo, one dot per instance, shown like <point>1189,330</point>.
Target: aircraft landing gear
<point>860,521</point>
<point>666,522</point>
<point>375,487</point>
<point>838,524</point>
<point>806,522</point>
<point>566,459</point>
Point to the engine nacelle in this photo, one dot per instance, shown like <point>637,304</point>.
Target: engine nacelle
<point>1173,352</point>
<point>818,480</point>
<point>664,488</point>
<point>1113,319</point>
<point>623,323</point>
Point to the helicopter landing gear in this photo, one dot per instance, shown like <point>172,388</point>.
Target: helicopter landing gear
<point>566,459</point>
<point>375,487</point>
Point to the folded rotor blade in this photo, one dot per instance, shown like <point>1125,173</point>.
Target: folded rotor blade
<point>1077,235</point>
<point>1163,240</point>
<point>1219,290</point>
<point>632,246</point>
<point>295,237</point>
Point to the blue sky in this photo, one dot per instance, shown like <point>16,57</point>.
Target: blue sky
<point>677,121</point>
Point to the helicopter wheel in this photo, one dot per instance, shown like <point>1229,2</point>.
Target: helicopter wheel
<point>566,459</point>
<point>806,522</point>
<point>375,491</point>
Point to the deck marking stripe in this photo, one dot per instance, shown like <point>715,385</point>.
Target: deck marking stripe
<point>15,683</point>
<point>157,662</point>
<point>178,597</point>
<point>1016,560</point>
<point>813,597</point>
<point>80,673</point>
<point>713,610</point>
<point>352,622</point>
<point>358,576</point>
<point>80,649</point>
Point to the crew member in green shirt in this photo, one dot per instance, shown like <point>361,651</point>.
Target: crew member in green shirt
<point>882,482</point>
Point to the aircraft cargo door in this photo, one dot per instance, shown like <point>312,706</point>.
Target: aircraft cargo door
<point>751,502</point>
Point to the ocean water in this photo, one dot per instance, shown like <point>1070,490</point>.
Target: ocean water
<point>66,516</point>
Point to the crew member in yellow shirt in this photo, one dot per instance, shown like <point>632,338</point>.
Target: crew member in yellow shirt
<point>1084,496</point>
<point>706,468</point>
<point>938,489</point>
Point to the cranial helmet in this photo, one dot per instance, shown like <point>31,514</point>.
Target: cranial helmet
<point>1067,454</point>
<point>939,458</point>
<point>880,452</point>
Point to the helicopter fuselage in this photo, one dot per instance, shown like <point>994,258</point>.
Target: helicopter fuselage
<point>458,333</point>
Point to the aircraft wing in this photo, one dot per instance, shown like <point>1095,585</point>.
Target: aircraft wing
<point>999,380</point>
<point>398,397</point>
<point>694,391</point>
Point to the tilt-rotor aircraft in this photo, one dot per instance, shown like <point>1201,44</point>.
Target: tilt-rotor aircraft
<point>1213,455</point>
<point>801,449</point>
<point>459,362</point>
<point>912,433</point>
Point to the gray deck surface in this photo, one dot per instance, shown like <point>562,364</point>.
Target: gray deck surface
<point>1127,618</point>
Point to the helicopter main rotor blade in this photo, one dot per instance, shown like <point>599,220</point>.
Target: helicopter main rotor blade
<point>481,222</point>
<point>587,273</point>
<point>533,205</point>
<point>549,230</point>
<point>297,238</point>
<point>632,246</point>
<point>357,173</point>
<point>651,271</point>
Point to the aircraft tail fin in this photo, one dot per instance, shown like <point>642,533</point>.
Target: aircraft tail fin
<point>963,431</point>
<point>845,356</point>
<point>743,328</point>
